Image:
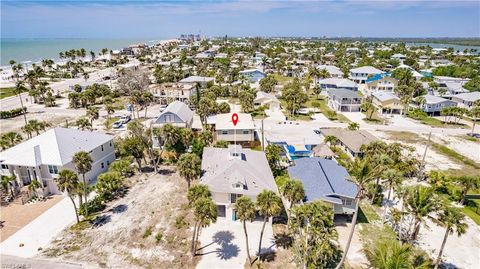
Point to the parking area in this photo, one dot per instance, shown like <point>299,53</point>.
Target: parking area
<point>223,244</point>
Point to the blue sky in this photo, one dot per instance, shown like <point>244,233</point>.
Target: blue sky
<point>163,19</point>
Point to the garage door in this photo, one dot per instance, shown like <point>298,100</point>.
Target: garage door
<point>221,211</point>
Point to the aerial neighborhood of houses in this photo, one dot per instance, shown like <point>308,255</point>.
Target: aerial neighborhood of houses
<point>218,152</point>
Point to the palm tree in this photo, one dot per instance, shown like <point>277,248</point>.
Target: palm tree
<point>269,205</point>
<point>18,90</point>
<point>453,220</point>
<point>147,98</point>
<point>83,123</point>
<point>368,107</point>
<point>205,213</point>
<point>7,183</point>
<point>83,163</point>
<point>67,181</point>
<point>189,167</point>
<point>33,186</point>
<point>474,113</point>
<point>420,202</point>
<point>390,254</point>
<point>331,139</point>
<point>194,194</point>
<point>245,211</point>
<point>362,174</point>
<point>467,183</point>
<point>293,191</point>
<point>92,114</point>
<point>10,139</point>
<point>353,126</point>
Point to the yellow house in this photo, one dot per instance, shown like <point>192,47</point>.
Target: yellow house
<point>387,102</point>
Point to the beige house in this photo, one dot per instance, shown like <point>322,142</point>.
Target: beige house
<point>268,100</point>
<point>173,92</point>
<point>387,102</point>
<point>381,83</point>
<point>242,133</point>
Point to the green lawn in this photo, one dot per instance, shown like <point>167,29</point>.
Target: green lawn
<point>282,80</point>
<point>6,92</point>
<point>367,213</point>
<point>427,120</point>
<point>470,212</point>
<point>326,110</point>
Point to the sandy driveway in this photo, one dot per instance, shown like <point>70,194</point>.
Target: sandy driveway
<point>38,233</point>
<point>224,244</point>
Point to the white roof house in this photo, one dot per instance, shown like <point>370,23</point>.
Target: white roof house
<point>332,70</point>
<point>332,83</point>
<point>176,113</point>
<point>225,168</point>
<point>385,96</point>
<point>466,99</point>
<point>195,79</point>
<point>54,147</point>
<point>224,122</point>
<point>267,99</point>
<point>361,74</point>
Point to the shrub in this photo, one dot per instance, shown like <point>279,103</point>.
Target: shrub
<point>147,232</point>
<point>12,113</point>
<point>180,222</point>
<point>159,236</point>
<point>93,206</point>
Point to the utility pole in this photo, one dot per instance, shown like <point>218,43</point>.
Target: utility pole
<point>263,138</point>
<point>422,168</point>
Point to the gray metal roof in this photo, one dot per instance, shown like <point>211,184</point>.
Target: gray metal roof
<point>221,170</point>
<point>180,109</point>
<point>344,93</point>
<point>323,179</point>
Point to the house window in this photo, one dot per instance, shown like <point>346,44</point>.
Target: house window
<point>347,202</point>
<point>224,132</point>
<point>245,131</point>
<point>108,162</point>
<point>102,147</point>
<point>234,197</point>
<point>110,143</point>
<point>103,166</point>
<point>4,166</point>
<point>53,169</point>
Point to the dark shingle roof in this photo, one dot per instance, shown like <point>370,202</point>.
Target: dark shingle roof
<point>323,179</point>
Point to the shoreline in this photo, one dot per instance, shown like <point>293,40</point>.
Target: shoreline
<point>10,48</point>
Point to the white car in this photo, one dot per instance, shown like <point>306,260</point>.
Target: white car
<point>117,125</point>
<point>124,119</point>
<point>162,107</point>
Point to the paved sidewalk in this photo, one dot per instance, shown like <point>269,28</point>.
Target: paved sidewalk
<point>38,233</point>
<point>8,261</point>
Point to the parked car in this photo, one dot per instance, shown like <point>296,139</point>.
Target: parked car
<point>117,124</point>
<point>317,132</point>
<point>476,135</point>
<point>125,119</point>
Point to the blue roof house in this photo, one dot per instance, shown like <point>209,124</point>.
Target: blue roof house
<point>253,75</point>
<point>328,181</point>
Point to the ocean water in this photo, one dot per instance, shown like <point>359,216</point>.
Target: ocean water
<point>36,49</point>
<point>446,46</point>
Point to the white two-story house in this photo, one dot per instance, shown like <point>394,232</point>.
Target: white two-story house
<point>361,74</point>
<point>243,133</point>
<point>44,156</point>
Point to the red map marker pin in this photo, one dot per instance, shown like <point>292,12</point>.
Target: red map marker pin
<point>234,119</point>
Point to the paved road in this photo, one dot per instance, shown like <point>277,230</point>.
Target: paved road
<point>11,262</point>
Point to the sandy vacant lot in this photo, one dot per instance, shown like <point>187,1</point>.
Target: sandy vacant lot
<point>148,227</point>
<point>16,216</point>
